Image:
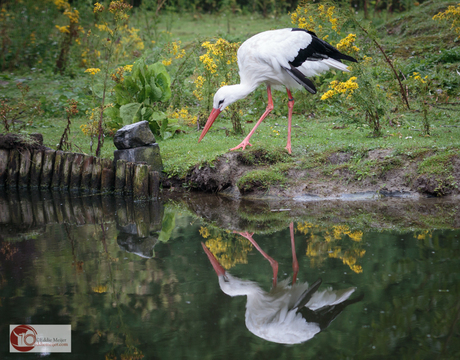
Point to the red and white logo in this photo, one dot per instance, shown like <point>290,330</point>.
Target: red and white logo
<point>23,338</point>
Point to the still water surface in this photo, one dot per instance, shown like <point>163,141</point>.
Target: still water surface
<point>134,280</point>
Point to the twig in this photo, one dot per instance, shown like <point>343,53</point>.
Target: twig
<point>387,59</point>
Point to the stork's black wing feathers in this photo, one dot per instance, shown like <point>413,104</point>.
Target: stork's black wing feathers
<point>318,50</point>
<point>306,296</point>
<point>301,79</point>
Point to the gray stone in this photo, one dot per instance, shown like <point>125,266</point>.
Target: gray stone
<point>133,136</point>
<point>149,155</point>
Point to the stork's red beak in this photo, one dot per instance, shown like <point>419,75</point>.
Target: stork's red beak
<point>220,271</point>
<point>212,117</point>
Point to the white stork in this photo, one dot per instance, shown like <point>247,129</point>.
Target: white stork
<point>288,314</point>
<point>278,58</point>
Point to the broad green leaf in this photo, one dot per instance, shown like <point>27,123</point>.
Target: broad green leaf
<point>122,95</point>
<point>98,90</point>
<point>129,113</point>
<point>167,226</point>
<point>155,93</point>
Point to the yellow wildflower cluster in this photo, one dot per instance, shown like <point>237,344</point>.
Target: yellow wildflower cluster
<point>119,9</point>
<point>104,27</point>
<point>451,14</point>
<point>304,17</point>
<point>416,76</point>
<point>91,128</point>
<point>63,29</point>
<point>337,87</point>
<point>118,75</point>
<point>174,50</point>
<point>33,38</point>
<point>92,71</point>
<point>61,4</point>
<point>184,116</point>
<point>73,15</point>
<point>347,44</point>
<point>133,39</point>
<point>219,52</point>
<point>98,8</point>
<point>198,92</point>
<point>219,55</point>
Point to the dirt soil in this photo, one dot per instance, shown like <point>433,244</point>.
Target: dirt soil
<point>384,180</point>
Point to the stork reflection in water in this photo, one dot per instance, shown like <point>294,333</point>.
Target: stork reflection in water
<point>288,314</point>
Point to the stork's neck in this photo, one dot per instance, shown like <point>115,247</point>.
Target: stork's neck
<point>240,91</point>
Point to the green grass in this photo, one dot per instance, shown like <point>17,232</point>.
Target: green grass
<point>405,36</point>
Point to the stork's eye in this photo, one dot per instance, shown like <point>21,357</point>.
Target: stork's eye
<point>221,102</point>
<point>226,279</point>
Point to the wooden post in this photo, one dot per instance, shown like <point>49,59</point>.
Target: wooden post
<point>5,214</point>
<point>107,180</point>
<point>36,168</point>
<point>47,169</point>
<point>3,167</point>
<point>66,170</point>
<point>141,182</point>
<point>13,169</point>
<point>24,169</point>
<point>57,169</point>
<point>96,175</point>
<point>27,213</point>
<point>75,174</point>
<point>120,176</point>
<point>86,173</point>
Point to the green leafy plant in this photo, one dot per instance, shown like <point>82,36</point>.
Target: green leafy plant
<point>138,95</point>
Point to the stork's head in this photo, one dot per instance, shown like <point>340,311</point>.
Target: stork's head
<point>225,96</point>
<point>229,284</point>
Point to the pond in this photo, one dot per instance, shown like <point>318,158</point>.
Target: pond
<point>379,279</point>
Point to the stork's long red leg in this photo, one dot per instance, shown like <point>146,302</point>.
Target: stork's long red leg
<point>290,107</point>
<point>269,108</point>
<point>295,263</point>
<point>273,262</point>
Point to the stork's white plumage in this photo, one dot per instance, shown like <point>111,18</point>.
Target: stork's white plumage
<point>278,58</point>
<point>288,314</point>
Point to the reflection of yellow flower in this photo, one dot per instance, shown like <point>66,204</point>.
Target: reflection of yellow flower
<point>204,232</point>
<point>326,244</point>
<point>99,289</point>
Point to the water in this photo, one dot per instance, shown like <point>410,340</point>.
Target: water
<point>134,281</point>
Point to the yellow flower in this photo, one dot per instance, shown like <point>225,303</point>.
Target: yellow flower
<point>98,8</point>
<point>343,88</point>
<point>63,29</point>
<point>92,71</point>
<point>167,62</point>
